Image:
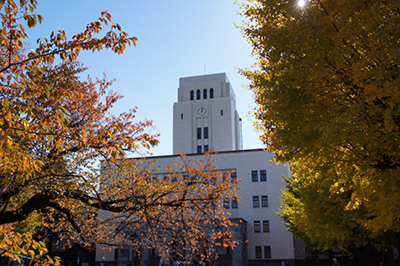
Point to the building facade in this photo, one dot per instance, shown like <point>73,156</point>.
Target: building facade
<point>205,117</point>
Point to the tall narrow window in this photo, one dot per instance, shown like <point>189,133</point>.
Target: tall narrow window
<point>222,112</point>
<point>258,252</point>
<point>205,94</point>
<point>256,201</point>
<point>199,133</point>
<point>199,149</point>
<point>181,116</point>
<point>257,227</point>
<point>267,252</point>
<point>264,201</point>
<point>234,177</point>
<point>254,176</point>
<point>228,250</point>
<point>198,95</point>
<point>234,203</point>
<point>266,226</point>
<point>116,254</point>
<point>211,93</point>
<point>206,133</point>
<point>226,204</point>
<point>191,95</point>
<point>263,175</point>
<point>205,148</point>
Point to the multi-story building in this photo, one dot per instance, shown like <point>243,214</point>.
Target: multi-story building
<point>205,117</point>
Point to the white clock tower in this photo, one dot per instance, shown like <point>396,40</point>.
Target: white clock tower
<point>205,115</point>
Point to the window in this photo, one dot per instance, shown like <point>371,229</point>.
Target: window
<point>205,94</point>
<point>191,95</point>
<point>199,149</point>
<point>226,204</point>
<point>266,226</point>
<point>211,93</point>
<point>234,203</point>
<point>263,175</point>
<point>257,227</point>
<point>258,252</point>
<point>254,176</point>
<point>206,133</point>
<point>181,116</point>
<point>312,253</point>
<point>225,177</point>
<point>267,252</point>
<point>256,201</point>
<point>222,112</point>
<point>234,177</point>
<point>116,253</point>
<point>264,201</point>
<point>199,133</point>
<point>205,148</point>
<point>185,178</point>
<point>198,95</point>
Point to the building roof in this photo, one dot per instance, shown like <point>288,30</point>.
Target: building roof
<point>198,154</point>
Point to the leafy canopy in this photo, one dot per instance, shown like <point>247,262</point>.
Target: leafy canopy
<point>55,126</point>
<point>326,86</point>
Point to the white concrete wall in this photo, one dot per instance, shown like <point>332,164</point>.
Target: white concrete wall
<point>280,240</point>
<point>183,128</point>
<point>223,129</point>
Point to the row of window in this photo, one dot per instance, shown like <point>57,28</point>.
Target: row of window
<point>264,201</point>
<point>256,202</point>
<point>200,148</point>
<point>198,94</point>
<point>265,226</point>
<point>267,252</point>
<point>156,178</point>
<point>227,204</point>
<point>263,175</point>
<point>205,131</point>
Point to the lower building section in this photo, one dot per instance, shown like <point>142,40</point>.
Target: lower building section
<point>261,235</point>
<point>271,262</point>
<point>147,257</point>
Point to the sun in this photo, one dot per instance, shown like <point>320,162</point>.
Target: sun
<point>301,3</point>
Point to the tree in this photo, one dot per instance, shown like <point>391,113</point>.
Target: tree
<point>327,91</point>
<point>332,227</point>
<point>180,208</point>
<point>55,127</point>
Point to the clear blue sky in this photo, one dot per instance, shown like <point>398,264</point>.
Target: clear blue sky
<point>177,38</point>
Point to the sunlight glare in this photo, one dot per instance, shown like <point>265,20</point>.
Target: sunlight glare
<point>301,3</point>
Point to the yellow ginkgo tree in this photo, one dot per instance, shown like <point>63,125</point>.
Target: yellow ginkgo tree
<point>327,89</point>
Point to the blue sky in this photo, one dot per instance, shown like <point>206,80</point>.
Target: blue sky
<point>177,38</point>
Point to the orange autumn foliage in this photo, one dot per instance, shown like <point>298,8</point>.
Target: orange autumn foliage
<point>55,127</point>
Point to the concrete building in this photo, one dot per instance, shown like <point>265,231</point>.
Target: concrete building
<point>205,117</point>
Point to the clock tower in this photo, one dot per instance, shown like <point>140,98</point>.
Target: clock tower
<point>205,115</point>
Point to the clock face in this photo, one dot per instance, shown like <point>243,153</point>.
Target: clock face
<point>202,111</point>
